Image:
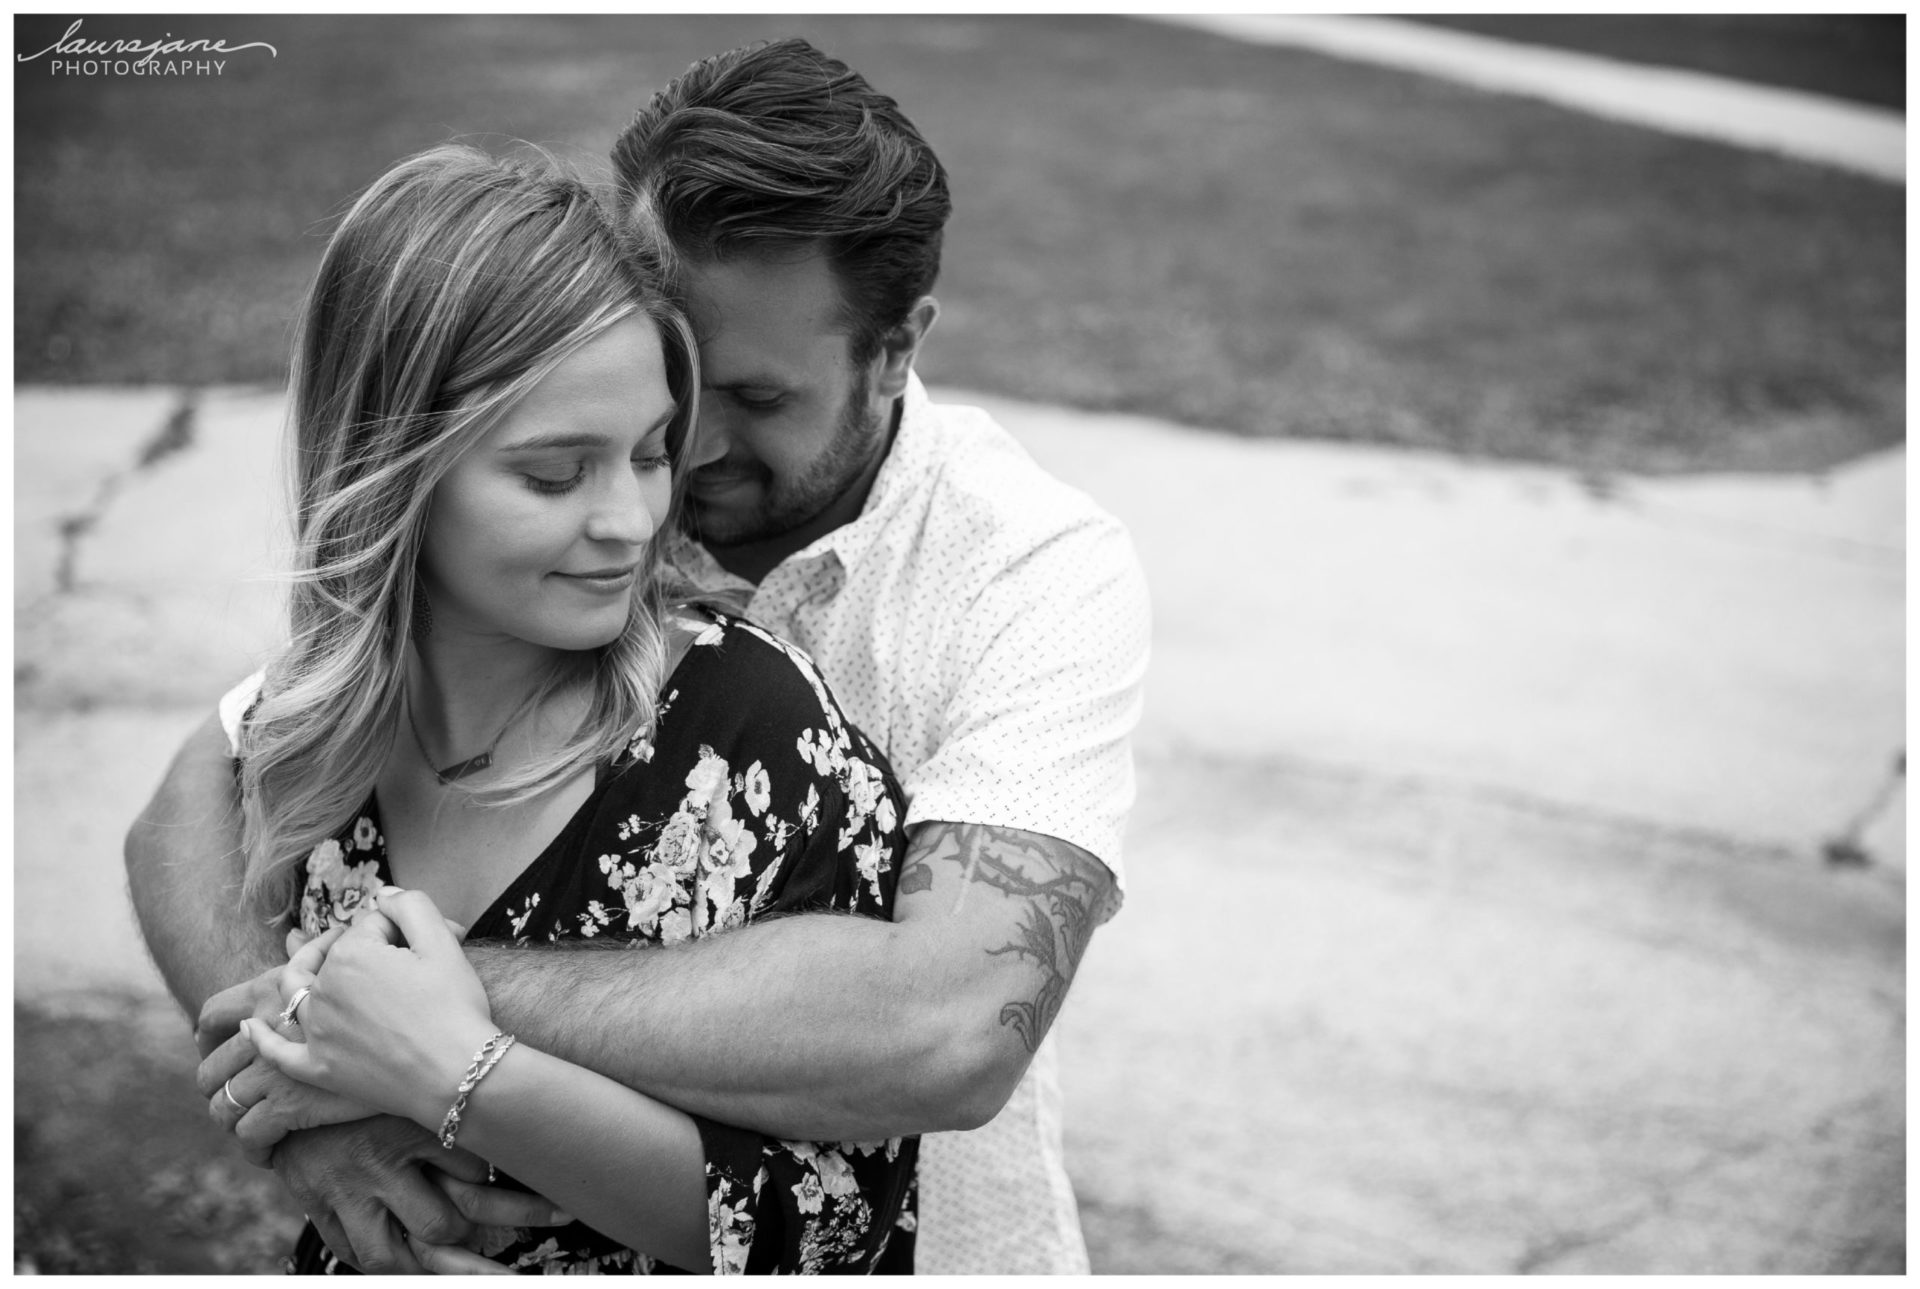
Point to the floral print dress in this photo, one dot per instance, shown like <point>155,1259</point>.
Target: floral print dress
<point>751,795</point>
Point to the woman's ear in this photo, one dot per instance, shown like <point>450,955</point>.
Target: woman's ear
<point>902,345</point>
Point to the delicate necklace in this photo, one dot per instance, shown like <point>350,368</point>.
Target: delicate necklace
<point>459,769</point>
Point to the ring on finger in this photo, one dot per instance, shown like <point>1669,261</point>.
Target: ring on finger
<point>233,1101</point>
<point>288,1016</point>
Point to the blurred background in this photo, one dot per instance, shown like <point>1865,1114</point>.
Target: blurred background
<point>1518,877</point>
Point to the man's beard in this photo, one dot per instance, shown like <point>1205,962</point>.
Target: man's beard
<point>788,504</point>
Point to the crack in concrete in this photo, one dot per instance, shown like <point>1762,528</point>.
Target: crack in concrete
<point>176,434</point>
<point>1543,1251</point>
<point>1438,788</point>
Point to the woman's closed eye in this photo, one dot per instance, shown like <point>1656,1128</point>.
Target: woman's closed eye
<point>557,480</point>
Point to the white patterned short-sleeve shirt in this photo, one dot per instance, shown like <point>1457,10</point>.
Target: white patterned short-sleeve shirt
<point>987,626</point>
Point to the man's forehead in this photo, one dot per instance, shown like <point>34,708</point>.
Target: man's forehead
<point>742,292</point>
<point>765,316</point>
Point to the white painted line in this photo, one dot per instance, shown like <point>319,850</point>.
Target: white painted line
<point>1810,127</point>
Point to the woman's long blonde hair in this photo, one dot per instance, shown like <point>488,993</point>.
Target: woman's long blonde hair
<point>454,285</point>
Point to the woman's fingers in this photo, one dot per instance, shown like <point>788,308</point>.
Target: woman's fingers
<point>419,920</point>
<point>305,964</point>
<point>278,1105</point>
<point>292,1059</point>
<point>220,1015</point>
<point>225,1109</point>
<point>452,1260</point>
<point>373,924</point>
<point>225,1061</point>
<point>307,957</point>
<point>241,1093</point>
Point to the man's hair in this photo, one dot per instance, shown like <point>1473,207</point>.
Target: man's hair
<point>777,148</point>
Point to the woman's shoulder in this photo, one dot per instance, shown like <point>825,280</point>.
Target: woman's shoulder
<point>742,666</point>
<point>751,791</point>
<point>743,693</point>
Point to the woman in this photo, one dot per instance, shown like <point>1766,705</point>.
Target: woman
<point>492,713</point>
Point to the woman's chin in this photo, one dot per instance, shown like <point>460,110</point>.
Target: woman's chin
<point>584,636</point>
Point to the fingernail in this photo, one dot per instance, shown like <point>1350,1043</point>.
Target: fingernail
<point>561,1217</point>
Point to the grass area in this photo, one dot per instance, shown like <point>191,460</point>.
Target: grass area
<point>1862,57</point>
<point>116,1167</point>
<point>1148,220</point>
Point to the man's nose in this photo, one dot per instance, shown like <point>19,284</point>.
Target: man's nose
<point>711,436</point>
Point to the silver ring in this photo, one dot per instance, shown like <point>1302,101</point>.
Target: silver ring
<point>287,1017</point>
<point>227,1088</point>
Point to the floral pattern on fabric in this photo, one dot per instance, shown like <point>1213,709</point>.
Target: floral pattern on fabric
<point>342,876</point>
<point>749,795</point>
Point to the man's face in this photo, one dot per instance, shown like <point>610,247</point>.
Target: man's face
<point>790,427</point>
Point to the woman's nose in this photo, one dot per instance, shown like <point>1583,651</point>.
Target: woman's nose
<point>621,514</point>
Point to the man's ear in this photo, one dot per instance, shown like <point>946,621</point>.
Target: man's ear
<point>902,345</point>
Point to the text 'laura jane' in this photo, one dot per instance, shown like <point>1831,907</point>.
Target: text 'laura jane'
<point>74,55</point>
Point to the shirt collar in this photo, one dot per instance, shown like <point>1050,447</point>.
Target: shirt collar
<point>899,474</point>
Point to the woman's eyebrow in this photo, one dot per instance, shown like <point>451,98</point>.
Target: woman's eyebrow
<point>539,442</point>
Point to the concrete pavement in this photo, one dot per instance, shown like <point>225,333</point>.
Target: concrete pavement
<point>1476,921</point>
<point>1713,652</point>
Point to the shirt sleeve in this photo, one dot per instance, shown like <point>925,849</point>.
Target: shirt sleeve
<point>234,704</point>
<point>1052,671</point>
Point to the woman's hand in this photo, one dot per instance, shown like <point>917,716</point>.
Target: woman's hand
<point>393,1016</point>
<point>259,1105</point>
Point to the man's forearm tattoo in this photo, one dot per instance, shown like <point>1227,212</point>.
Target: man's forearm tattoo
<point>1062,888</point>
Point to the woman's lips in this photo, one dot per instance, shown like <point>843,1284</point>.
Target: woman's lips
<point>603,579</point>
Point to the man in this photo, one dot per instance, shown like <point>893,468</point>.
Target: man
<point>982,622</point>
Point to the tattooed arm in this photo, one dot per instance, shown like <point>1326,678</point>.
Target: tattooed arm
<point>1045,894</point>
<point>835,1028</point>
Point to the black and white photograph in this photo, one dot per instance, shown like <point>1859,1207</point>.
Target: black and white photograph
<point>959,644</point>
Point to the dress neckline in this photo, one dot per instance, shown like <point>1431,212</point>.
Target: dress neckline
<point>603,776</point>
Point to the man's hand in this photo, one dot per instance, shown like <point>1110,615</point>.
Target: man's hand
<point>383,1189</point>
<point>259,1105</point>
<point>219,1020</point>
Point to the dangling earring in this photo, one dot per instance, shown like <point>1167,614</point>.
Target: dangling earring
<point>422,614</point>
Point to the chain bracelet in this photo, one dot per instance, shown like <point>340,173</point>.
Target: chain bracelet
<point>483,1061</point>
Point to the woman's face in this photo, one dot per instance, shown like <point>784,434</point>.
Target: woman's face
<point>536,534</point>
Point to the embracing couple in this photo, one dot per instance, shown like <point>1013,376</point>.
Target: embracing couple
<point>644,601</point>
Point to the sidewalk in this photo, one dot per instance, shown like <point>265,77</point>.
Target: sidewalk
<point>1475,918</point>
<point>1870,140</point>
